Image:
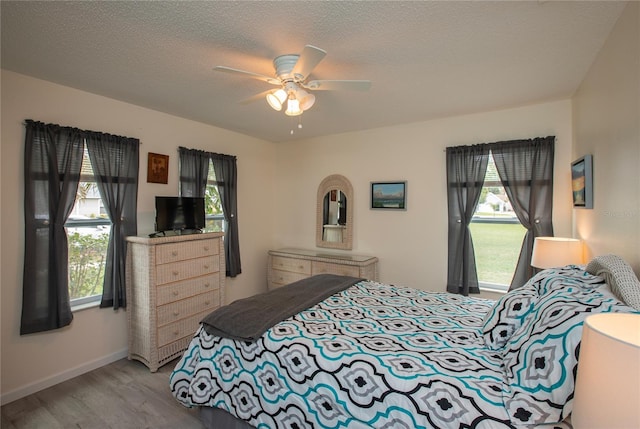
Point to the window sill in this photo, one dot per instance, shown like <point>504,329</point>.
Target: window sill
<point>85,306</point>
<point>493,290</point>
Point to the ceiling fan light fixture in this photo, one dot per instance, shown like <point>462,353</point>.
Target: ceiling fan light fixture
<point>276,99</point>
<point>293,107</point>
<point>292,74</point>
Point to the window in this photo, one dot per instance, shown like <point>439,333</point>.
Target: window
<point>88,228</point>
<point>214,217</point>
<point>54,159</point>
<point>526,171</point>
<point>496,232</point>
<point>215,176</point>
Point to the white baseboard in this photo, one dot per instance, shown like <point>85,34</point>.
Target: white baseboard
<point>60,377</point>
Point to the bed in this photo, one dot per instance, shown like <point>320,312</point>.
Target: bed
<point>367,354</point>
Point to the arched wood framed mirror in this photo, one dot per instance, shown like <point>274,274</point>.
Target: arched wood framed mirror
<point>334,215</point>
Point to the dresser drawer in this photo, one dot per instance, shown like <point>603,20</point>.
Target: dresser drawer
<point>174,311</point>
<point>179,329</point>
<point>176,291</point>
<point>173,252</point>
<point>281,278</point>
<point>176,271</point>
<point>292,265</point>
<point>328,268</point>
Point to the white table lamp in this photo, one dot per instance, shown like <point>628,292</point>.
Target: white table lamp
<point>608,381</point>
<point>551,252</point>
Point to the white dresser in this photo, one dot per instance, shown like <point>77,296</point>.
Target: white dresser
<point>172,283</point>
<point>289,265</point>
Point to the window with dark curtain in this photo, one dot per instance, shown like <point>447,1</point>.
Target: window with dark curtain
<point>466,168</point>
<point>194,166</point>
<point>526,172</point>
<point>53,162</point>
<point>525,168</point>
<point>53,159</point>
<point>115,163</point>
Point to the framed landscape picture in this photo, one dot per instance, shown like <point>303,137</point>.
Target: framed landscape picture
<point>582,182</point>
<point>389,195</point>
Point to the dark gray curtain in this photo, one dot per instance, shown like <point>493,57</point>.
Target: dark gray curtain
<point>194,167</point>
<point>526,172</point>
<point>53,160</point>
<point>466,168</point>
<point>226,175</point>
<point>115,163</point>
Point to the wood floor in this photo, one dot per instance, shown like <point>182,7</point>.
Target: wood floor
<point>121,395</point>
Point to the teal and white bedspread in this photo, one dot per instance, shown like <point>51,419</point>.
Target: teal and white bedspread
<point>381,356</point>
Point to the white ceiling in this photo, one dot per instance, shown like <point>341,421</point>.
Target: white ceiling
<point>425,59</point>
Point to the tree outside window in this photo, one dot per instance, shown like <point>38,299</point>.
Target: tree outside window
<point>88,229</point>
<point>212,203</point>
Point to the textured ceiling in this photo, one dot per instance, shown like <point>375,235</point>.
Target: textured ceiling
<point>425,59</point>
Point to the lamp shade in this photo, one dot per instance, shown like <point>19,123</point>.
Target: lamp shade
<point>608,380</point>
<point>276,99</point>
<point>293,107</point>
<point>306,100</point>
<point>550,252</point>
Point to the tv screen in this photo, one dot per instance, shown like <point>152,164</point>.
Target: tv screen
<point>185,214</point>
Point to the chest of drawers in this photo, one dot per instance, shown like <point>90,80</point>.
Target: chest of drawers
<point>289,265</point>
<point>172,283</point>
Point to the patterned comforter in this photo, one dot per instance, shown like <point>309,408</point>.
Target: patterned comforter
<point>377,355</point>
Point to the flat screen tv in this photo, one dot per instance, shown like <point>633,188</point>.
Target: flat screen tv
<point>180,214</point>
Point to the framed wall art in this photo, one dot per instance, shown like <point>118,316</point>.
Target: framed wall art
<point>582,182</point>
<point>158,168</point>
<point>389,195</point>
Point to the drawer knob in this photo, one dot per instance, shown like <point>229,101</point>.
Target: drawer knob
<point>175,273</point>
<point>206,303</point>
<point>174,253</point>
<point>176,333</point>
<point>207,285</point>
<point>206,266</point>
<point>206,248</point>
<point>176,313</point>
<point>175,293</point>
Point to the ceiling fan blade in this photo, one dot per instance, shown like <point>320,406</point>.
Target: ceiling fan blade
<point>309,59</point>
<point>260,96</point>
<point>264,78</point>
<point>333,85</point>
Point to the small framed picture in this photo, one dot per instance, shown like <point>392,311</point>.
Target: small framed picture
<point>582,182</point>
<point>158,168</point>
<point>389,195</point>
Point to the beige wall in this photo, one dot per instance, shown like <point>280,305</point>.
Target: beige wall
<point>607,125</point>
<point>97,336</point>
<point>412,244</point>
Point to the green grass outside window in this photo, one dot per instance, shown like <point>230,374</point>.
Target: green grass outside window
<point>497,247</point>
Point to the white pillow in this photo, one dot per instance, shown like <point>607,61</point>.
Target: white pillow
<point>619,276</point>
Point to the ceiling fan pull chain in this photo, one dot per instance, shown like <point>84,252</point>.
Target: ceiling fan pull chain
<point>299,124</point>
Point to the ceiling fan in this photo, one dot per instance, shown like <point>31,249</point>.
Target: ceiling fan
<point>291,75</point>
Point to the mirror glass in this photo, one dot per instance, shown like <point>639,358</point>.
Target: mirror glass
<point>334,216</point>
<point>334,213</point>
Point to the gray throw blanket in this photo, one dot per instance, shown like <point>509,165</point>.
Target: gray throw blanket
<point>247,319</point>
